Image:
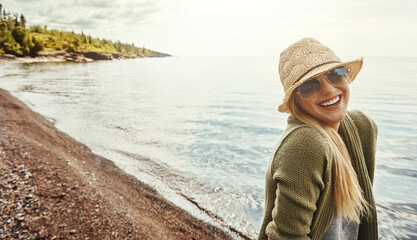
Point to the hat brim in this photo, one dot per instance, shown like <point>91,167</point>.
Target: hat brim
<point>353,67</point>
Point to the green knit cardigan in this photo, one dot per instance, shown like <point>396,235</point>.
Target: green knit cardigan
<point>299,202</point>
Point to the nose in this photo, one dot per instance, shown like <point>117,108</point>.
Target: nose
<point>326,87</point>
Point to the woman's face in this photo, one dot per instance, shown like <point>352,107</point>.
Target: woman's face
<point>321,107</point>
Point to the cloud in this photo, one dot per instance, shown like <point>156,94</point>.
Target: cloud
<point>233,27</point>
<point>88,15</point>
<point>98,3</point>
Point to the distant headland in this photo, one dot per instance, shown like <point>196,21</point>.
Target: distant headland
<point>20,42</point>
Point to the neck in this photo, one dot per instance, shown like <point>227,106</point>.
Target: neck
<point>335,126</point>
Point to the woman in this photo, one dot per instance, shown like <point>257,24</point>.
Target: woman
<point>320,176</point>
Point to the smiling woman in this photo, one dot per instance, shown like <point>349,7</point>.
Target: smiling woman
<point>320,176</point>
<point>328,100</point>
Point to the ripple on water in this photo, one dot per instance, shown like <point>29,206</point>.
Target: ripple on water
<point>397,220</point>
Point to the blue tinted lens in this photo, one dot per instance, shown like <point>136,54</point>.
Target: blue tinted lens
<point>338,76</point>
<point>310,89</point>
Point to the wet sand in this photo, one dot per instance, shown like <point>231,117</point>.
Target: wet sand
<point>53,187</point>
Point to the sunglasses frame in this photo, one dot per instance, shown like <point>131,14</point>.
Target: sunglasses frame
<point>318,78</point>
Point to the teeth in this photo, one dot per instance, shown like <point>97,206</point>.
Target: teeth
<point>330,102</point>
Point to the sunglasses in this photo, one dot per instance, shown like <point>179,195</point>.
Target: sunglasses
<point>311,88</point>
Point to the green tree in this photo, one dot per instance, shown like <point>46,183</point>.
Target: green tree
<point>19,33</point>
<point>37,46</point>
<point>22,21</point>
<point>17,39</point>
<point>16,20</point>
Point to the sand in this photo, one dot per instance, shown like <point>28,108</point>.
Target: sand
<point>53,187</point>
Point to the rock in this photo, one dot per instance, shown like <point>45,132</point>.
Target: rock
<point>7,56</point>
<point>30,196</point>
<point>27,175</point>
<point>97,55</point>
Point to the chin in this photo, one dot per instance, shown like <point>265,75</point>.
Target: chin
<point>336,119</point>
<point>332,116</point>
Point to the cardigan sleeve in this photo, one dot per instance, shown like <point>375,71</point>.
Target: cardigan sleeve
<point>297,170</point>
<point>368,132</point>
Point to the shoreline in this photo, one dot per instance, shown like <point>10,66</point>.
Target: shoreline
<point>52,186</point>
<point>63,56</point>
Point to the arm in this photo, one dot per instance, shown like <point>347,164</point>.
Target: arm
<point>297,170</point>
<point>368,132</point>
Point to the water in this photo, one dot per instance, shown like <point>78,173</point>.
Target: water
<point>206,126</point>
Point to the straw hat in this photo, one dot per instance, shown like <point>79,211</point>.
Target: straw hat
<point>305,59</point>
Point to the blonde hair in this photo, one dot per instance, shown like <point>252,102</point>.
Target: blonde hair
<point>348,196</point>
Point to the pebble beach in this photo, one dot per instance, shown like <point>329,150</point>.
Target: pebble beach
<point>53,187</point>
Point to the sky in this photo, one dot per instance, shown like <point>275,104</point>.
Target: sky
<point>256,28</point>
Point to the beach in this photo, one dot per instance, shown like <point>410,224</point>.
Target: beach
<point>53,187</point>
<point>195,128</point>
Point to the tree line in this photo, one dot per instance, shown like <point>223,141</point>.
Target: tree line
<point>18,39</point>
<point>15,38</point>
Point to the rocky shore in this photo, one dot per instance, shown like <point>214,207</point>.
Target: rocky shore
<point>53,187</point>
<point>63,56</point>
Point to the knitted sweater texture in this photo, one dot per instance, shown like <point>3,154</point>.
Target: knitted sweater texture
<point>299,198</point>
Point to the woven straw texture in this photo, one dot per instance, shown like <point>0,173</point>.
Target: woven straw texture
<point>306,59</point>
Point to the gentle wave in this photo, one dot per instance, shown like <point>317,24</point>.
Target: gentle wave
<point>205,130</point>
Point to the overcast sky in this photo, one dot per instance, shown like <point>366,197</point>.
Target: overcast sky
<point>236,27</point>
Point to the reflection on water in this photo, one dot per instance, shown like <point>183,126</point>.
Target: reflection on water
<point>399,220</point>
<point>205,127</point>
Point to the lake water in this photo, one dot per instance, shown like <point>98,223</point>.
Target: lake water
<point>205,127</point>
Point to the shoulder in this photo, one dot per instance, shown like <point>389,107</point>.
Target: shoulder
<point>362,121</point>
<point>302,146</point>
<point>304,137</point>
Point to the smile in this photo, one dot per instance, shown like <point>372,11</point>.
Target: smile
<point>333,101</point>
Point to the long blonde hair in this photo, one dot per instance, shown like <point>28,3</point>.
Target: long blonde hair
<point>349,200</point>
